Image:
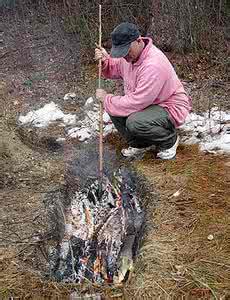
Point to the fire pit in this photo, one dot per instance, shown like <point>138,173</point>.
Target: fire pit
<point>102,221</point>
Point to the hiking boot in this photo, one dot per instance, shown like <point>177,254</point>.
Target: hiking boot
<point>169,153</point>
<point>130,152</point>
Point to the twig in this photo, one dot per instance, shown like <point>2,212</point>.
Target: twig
<point>215,263</point>
<point>205,285</point>
<point>163,290</point>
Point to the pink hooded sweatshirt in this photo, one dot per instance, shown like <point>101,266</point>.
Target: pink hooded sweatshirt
<point>150,80</point>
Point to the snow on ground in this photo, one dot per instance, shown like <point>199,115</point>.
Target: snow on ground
<point>46,115</point>
<point>89,126</point>
<point>82,126</point>
<point>210,129</point>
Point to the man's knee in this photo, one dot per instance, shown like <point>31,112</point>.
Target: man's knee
<point>133,125</point>
<point>140,125</point>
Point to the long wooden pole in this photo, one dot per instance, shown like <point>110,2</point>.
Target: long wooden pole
<point>101,106</point>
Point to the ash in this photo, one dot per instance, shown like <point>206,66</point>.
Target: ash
<point>102,222</point>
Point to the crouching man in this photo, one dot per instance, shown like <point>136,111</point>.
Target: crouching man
<point>155,102</point>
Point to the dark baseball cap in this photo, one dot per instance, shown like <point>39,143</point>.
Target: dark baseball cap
<point>122,36</point>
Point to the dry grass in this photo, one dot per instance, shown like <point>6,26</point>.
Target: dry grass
<point>25,176</point>
<point>178,261</point>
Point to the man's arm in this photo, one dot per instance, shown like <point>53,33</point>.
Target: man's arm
<point>148,87</point>
<point>111,67</point>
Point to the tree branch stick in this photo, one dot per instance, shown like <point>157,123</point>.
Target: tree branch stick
<point>101,106</point>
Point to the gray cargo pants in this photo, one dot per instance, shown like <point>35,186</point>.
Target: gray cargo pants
<point>151,126</point>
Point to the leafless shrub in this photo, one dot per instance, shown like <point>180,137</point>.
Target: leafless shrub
<point>189,24</point>
<point>180,25</point>
<point>82,19</point>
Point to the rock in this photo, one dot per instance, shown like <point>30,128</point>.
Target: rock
<point>176,194</point>
<point>210,237</point>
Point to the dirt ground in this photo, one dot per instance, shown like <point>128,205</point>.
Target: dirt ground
<point>186,248</point>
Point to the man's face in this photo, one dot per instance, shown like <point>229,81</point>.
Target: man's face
<point>134,51</point>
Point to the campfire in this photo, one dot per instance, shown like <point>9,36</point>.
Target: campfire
<point>102,225</point>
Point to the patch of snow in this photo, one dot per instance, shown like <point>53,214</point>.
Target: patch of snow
<point>82,134</point>
<point>88,127</point>
<point>109,128</point>
<point>69,119</point>
<point>106,118</point>
<point>60,139</point>
<point>89,101</point>
<point>47,114</point>
<point>219,144</point>
<point>211,130</point>
<point>69,96</point>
